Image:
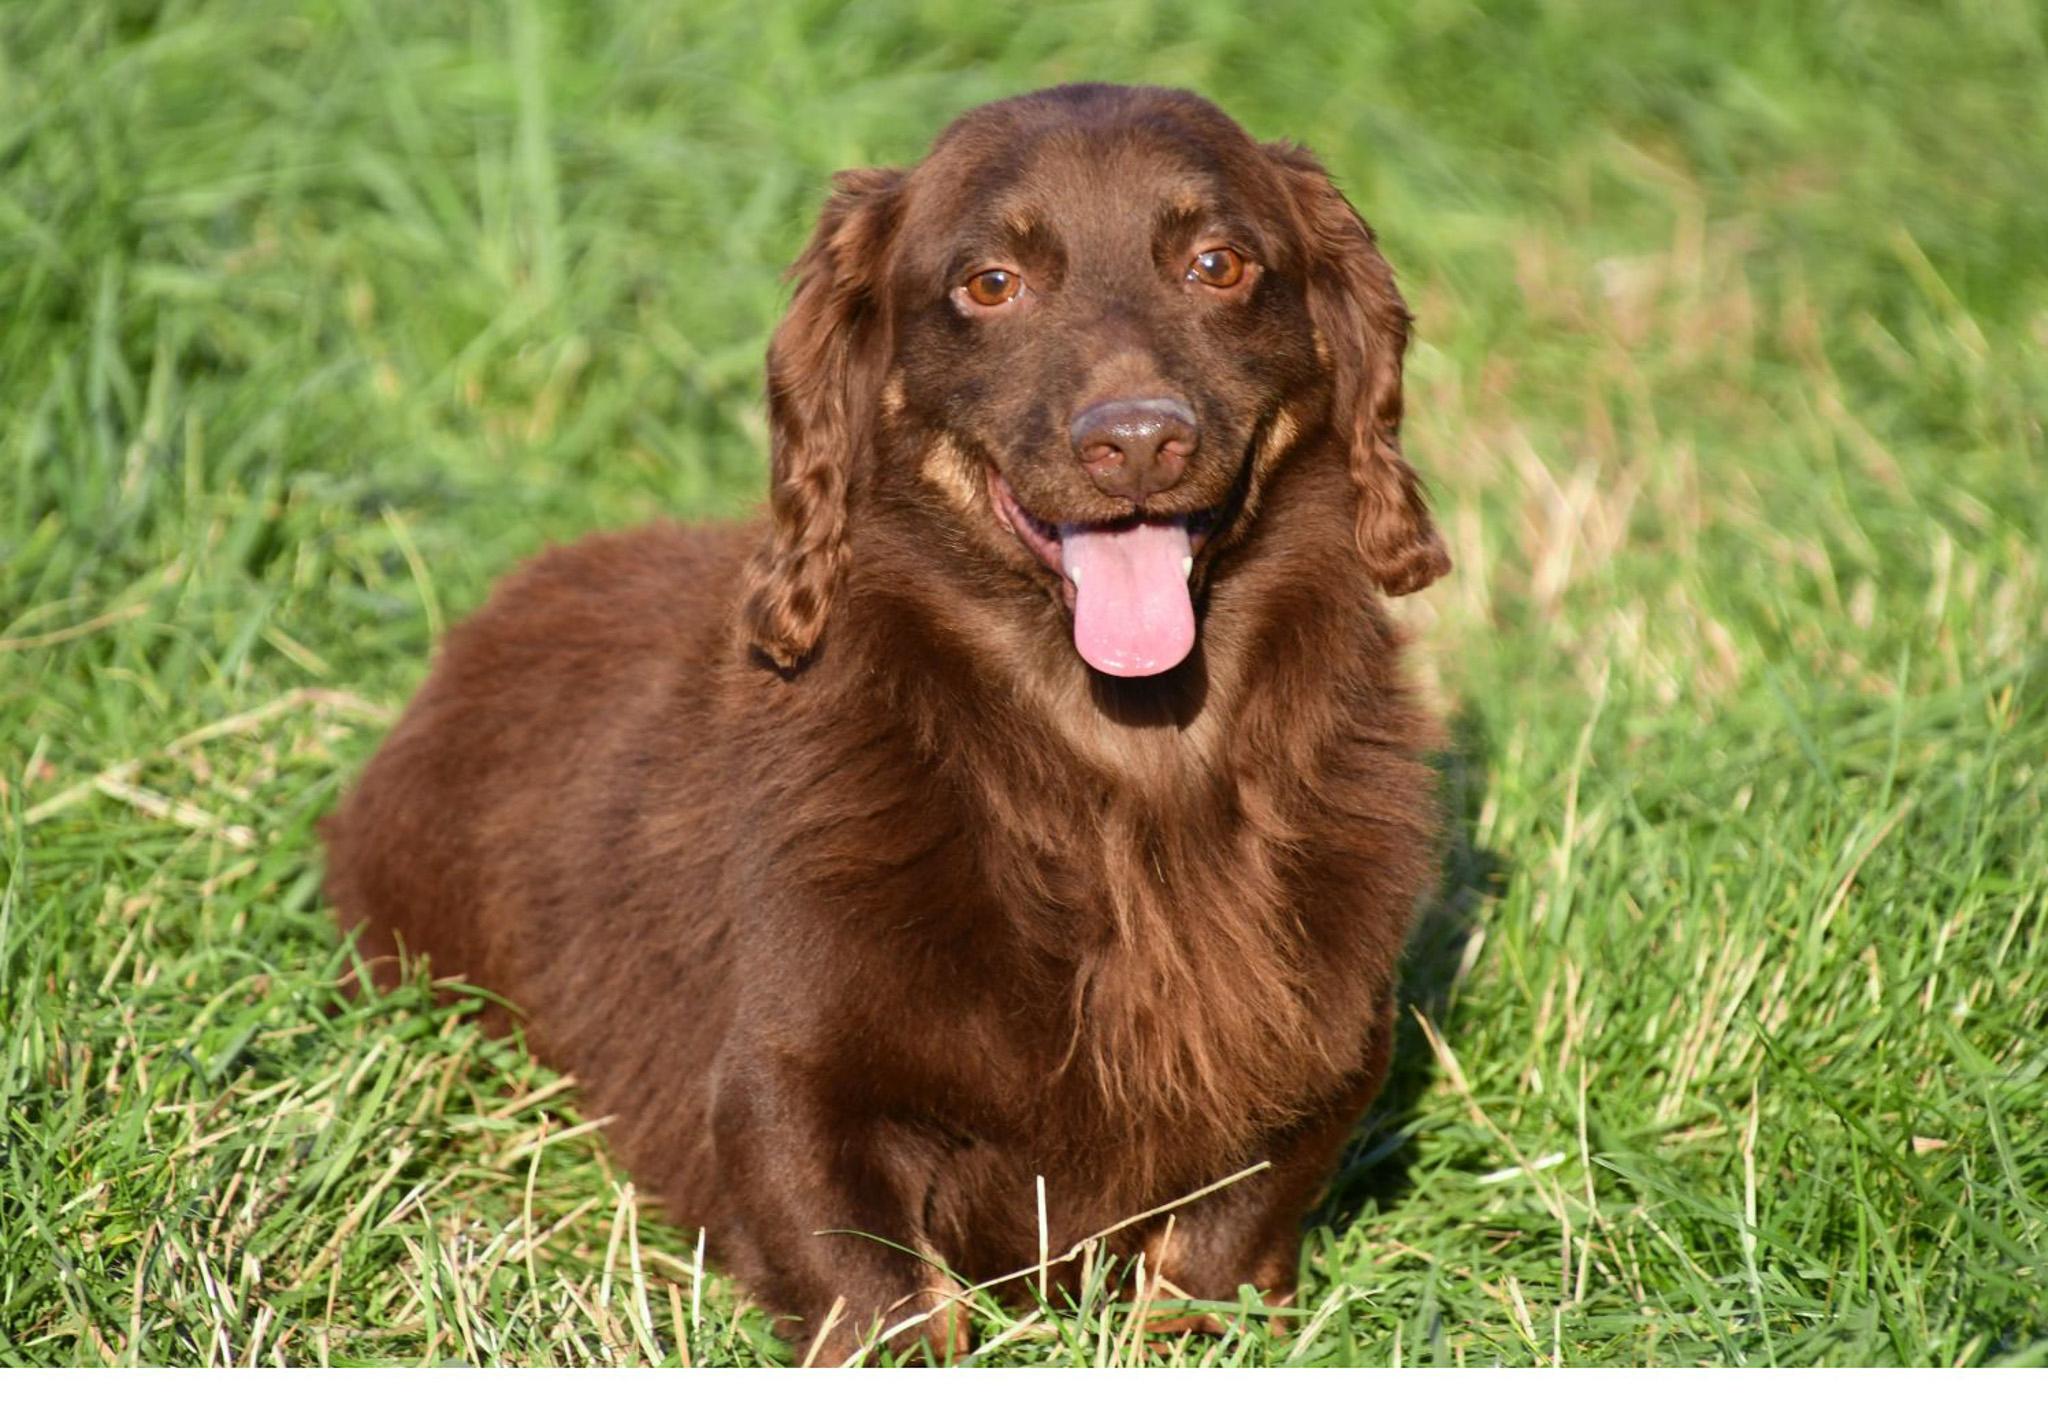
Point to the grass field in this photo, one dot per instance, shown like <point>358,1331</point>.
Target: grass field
<point>1729,1038</point>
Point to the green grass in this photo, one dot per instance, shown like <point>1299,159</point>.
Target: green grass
<point>1734,348</point>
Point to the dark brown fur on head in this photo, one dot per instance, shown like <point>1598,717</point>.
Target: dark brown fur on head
<point>1098,197</point>
<point>814,849</point>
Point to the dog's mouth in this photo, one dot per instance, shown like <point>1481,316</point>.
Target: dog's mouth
<point>1126,581</point>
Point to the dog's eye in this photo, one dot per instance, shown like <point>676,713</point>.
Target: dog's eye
<point>993,286</point>
<point>1219,268</point>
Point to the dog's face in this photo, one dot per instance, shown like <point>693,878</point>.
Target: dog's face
<point>1093,322</point>
<point>1085,323</point>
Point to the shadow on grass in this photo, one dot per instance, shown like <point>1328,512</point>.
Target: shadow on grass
<point>1375,1169</point>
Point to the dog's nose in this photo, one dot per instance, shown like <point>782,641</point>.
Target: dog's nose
<point>1135,448</point>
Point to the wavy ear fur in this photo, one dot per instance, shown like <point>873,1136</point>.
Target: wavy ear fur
<point>1364,325</point>
<point>826,364</point>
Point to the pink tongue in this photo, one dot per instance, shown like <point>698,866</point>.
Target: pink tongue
<point>1132,615</point>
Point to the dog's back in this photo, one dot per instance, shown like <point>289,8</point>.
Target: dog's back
<point>553,714</point>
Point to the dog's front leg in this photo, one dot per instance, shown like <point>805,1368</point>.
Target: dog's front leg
<point>1247,1235</point>
<point>828,1199</point>
<point>1250,1233</point>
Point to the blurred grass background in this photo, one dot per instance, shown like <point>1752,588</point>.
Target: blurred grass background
<point>1727,1042</point>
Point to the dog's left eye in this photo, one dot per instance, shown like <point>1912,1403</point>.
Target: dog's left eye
<point>1219,268</point>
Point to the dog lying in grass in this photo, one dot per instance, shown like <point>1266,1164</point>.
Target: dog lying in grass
<point>1033,793</point>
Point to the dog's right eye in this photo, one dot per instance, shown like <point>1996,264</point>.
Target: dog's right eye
<point>994,286</point>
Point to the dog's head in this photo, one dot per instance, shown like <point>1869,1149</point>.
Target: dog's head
<point>1101,318</point>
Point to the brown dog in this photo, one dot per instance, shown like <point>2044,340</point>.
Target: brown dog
<point>1034,794</point>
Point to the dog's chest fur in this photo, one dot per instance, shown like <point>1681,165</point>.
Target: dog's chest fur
<point>1114,953</point>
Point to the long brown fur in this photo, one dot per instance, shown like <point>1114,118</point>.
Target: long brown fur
<point>822,859</point>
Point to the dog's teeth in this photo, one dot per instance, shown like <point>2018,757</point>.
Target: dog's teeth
<point>1187,567</point>
<point>1074,575</point>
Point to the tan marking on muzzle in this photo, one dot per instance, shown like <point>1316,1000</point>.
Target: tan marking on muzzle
<point>1280,438</point>
<point>951,472</point>
<point>1281,434</point>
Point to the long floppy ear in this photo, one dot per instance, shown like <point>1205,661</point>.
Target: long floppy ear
<point>826,364</point>
<point>1363,325</point>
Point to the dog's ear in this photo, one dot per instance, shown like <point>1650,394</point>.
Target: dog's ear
<point>1363,328</point>
<point>826,365</point>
